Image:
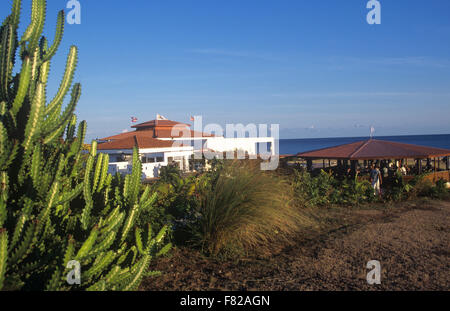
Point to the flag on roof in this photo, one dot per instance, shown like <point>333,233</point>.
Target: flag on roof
<point>160,117</point>
<point>372,130</point>
<point>134,119</point>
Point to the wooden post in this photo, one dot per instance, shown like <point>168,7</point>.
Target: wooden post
<point>309,165</point>
<point>419,166</point>
<point>353,164</point>
<point>447,163</point>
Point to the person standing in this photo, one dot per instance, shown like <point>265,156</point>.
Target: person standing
<point>376,180</point>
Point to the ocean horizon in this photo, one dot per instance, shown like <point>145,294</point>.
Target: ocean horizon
<point>296,145</point>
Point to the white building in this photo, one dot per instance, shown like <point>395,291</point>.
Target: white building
<point>162,142</point>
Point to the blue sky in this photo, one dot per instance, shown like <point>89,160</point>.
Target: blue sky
<point>314,67</point>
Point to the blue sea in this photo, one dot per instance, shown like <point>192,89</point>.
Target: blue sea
<point>293,146</point>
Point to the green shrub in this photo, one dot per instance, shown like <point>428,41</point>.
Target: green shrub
<point>324,189</point>
<point>352,192</point>
<point>56,204</point>
<point>396,189</point>
<point>313,191</point>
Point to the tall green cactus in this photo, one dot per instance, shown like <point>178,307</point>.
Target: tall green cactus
<point>56,203</point>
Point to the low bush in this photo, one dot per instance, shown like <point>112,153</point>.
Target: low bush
<point>324,189</point>
<point>243,210</point>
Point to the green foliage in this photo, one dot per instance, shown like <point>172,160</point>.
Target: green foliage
<point>313,191</point>
<point>423,187</point>
<point>324,189</point>
<point>169,174</point>
<point>396,189</point>
<point>56,203</point>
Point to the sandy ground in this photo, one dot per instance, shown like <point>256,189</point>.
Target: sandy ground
<point>410,240</point>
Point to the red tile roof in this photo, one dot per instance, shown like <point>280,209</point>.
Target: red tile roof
<point>129,141</point>
<point>375,149</point>
<point>159,133</point>
<point>158,123</point>
<point>163,129</point>
<point>169,133</point>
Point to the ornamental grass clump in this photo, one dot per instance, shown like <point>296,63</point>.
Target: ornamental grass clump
<point>244,210</point>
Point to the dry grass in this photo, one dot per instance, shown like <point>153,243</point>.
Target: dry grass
<point>247,211</point>
<point>410,239</point>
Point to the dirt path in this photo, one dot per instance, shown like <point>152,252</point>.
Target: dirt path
<point>411,242</point>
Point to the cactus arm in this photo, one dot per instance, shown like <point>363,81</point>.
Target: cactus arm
<point>4,144</point>
<point>36,165</point>
<point>164,250</point>
<point>104,172</point>
<point>24,82</point>
<point>105,243</point>
<point>3,212</point>
<point>161,234</point>
<point>34,18</point>
<point>3,198</point>
<point>7,54</point>
<point>36,115</point>
<point>55,127</point>
<point>69,196</point>
<point>85,217</point>
<point>103,262</point>
<point>76,147</point>
<point>15,12</point>
<point>139,244</point>
<point>115,223</point>
<point>35,60</point>
<point>97,171</point>
<point>149,202</point>
<point>28,206</point>
<point>112,274</point>
<point>135,177</point>
<point>25,247</point>
<point>141,268</point>
<point>58,37</point>
<point>38,25</point>
<point>70,250</point>
<point>45,213</point>
<point>71,127</point>
<point>66,81</point>
<point>54,282</point>
<point>129,222</point>
<point>3,254</point>
<point>44,71</point>
<point>88,244</point>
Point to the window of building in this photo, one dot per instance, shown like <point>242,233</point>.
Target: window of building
<point>159,159</point>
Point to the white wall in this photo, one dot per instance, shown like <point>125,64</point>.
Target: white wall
<point>150,170</point>
<point>222,144</point>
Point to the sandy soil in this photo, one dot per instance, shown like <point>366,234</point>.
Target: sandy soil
<point>411,241</point>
